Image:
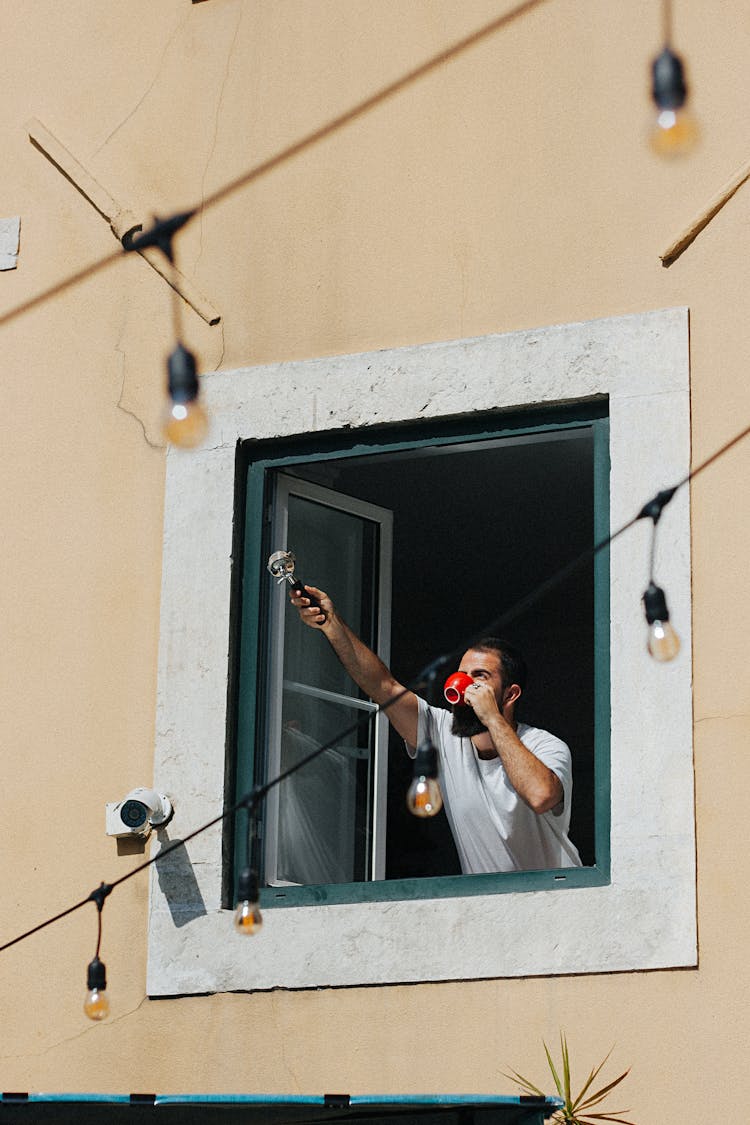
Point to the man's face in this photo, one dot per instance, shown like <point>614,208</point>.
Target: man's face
<point>480,666</point>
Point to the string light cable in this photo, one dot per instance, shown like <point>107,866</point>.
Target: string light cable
<point>251,800</point>
<point>152,237</point>
<point>247,916</point>
<point>183,392</point>
<point>663,642</point>
<point>96,1002</point>
<point>184,421</point>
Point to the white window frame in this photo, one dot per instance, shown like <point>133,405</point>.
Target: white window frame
<point>645,918</point>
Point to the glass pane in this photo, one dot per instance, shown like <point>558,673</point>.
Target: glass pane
<point>324,808</point>
<point>335,551</point>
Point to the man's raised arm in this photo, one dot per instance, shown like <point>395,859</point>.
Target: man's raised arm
<point>363,665</point>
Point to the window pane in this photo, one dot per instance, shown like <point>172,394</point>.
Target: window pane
<point>324,821</point>
<point>340,547</point>
<point>322,826</point>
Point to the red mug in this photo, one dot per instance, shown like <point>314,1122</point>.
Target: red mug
<point>455,686</point>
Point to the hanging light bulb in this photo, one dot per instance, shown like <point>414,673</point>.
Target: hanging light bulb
<point>423,797</point>
<point>675,131</point>
<point>185,422</point>
<point>247,916</point>
<point>663,643</point>
<point>96,1004</point>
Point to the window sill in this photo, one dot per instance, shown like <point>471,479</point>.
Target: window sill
<point>453,886</point>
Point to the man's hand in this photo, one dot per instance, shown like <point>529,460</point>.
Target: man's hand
<point>362,664</point>
<point>308,613</point>
<point>480,696</point>
<point>534,782</point>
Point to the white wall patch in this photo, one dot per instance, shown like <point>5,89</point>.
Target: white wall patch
<point>10,233</point>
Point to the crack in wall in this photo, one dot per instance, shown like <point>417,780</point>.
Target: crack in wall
<point>78,1035</point>
<point>721,717</point>
<point>214,139</point>
<point>177,29</point>
<point>282,1041</point>
<point>142,424</point>
<point>220,360</point>
<point>94,1026</point>
<point>119,350</point>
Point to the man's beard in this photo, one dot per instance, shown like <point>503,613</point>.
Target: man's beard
<point>465,722</point>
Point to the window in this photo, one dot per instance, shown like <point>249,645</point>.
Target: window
<point>423,535</point>
<point>643,915</point>
<point>325,823</point>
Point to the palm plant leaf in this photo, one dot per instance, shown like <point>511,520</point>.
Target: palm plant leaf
<point>608,1117</point>
<point>532,1089</point>
<point>574,1111</point>
<point>566,1067</point>
<point>601,1094</point>
<point>590,1079</point>
<point>555,1075</point>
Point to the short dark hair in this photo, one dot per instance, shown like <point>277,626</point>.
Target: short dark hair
<point>512,663</point>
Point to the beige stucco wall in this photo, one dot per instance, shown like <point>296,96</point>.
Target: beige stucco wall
<point>509,188</point>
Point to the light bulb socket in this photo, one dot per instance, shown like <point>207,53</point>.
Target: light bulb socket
<point>96,976</point>
<point>182,382</point>
<point>669,89</point>
<point>248,889</point>
<point>426,760</point>
<point>655,604</point>
<point>655,506</point>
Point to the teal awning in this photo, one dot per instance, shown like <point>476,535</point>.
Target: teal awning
<point>261,1109</point>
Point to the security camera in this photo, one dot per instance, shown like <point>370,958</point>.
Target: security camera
<point>140,811</point>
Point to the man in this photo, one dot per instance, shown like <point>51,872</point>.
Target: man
<point>506,786</point>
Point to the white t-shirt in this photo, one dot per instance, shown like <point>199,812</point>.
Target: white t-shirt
<point>494,829</point>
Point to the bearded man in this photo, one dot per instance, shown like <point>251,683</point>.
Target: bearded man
<point>507,786</point>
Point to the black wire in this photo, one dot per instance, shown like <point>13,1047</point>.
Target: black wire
<point>652,555</point>
<point>60,287</point>
<point>251,800</point>
<point>249,834</point>
<point>99,934</point>
<point>666,22</point>
<point>162,230</point>
<point>49,922</point>
<point>165,229</point>
<point>369,103</point>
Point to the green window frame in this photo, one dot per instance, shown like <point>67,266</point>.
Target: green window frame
<point>257,460</point>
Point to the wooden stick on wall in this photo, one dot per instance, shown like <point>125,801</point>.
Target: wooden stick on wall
<point>121,220</point>
<point>704,217</point>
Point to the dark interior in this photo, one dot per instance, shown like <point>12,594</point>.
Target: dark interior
<point>477,527</point>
